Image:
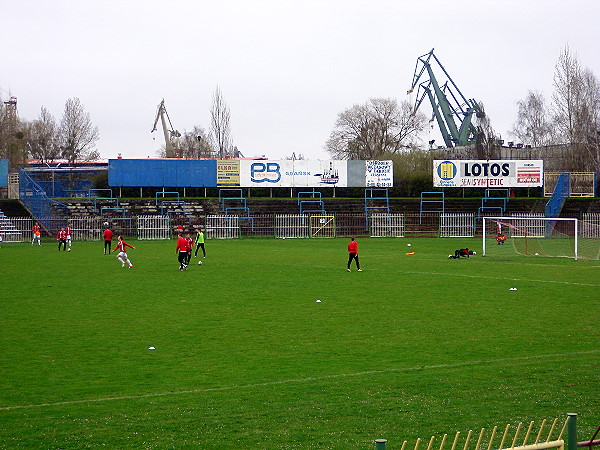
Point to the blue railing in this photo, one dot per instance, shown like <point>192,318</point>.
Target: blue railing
<point>49,213</point>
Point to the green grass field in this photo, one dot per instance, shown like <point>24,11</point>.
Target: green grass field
<point>415,345</point>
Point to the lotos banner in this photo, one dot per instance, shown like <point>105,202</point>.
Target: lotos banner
<point>488,173</point>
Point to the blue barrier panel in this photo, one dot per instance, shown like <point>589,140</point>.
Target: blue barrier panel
<point>3,172</point>
<point>162,173</point>
<point>562,191</point>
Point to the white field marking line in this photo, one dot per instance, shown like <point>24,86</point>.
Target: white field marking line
<point>531,264</point>
<point>304,380</point>
<point>466,275</point>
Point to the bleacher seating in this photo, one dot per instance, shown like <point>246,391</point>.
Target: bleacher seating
<point>7,227</point>
<point>494,202</point>
<point>260,206</point>
<point>233,202</point>
<point>311,203</point>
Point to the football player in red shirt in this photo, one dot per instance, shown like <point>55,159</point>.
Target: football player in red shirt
<point>182,251</point>
<point>108,235</point>
<point>69,232</point>
<point>122,256</point>
<point>353,254</point>
<point>190,241</point>
<point>37,233</point>
<point>61,237</point>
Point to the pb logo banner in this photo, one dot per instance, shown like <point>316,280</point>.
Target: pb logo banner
<point>293,173</point>
<point>265,172</point>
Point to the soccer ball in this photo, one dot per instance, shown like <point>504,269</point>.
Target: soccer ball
<point>474,253</point>
<point>409,245</point>
<point>199,263</point>
<point>69,250</point>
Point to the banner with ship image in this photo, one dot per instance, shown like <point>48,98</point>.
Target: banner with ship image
<point>315,173</point>
<point>290,173</point>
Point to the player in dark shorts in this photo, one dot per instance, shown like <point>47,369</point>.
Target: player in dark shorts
<point>464,252</point>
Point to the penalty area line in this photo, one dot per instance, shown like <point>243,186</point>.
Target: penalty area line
<point>466,275</point>
<point>303,380</point>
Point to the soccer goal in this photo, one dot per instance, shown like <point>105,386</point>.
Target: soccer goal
<point>530,236</point>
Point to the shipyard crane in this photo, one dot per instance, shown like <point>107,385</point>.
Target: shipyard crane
<point>170,134</point>
<point>447,102</point>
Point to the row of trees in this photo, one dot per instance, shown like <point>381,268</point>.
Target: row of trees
<point>377,129</point>
<point>572,118</point>
<point>72,138</point>
<point>382,128</point>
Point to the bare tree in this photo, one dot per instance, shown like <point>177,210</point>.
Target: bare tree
<point>377,128</point>
<point>220,125</point>
<point>42,139</point>
<point>590,118</point>
<point>195,144</point>
<point>533,123</point>
<point>77,134</point>
<point>576,108</point>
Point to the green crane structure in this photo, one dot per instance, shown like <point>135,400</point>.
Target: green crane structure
<point>171,135</point>
<point>448,103</point>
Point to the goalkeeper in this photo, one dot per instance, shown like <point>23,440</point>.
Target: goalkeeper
<point>464,252</point>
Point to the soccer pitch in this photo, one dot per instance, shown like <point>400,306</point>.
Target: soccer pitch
<point>245,357</point>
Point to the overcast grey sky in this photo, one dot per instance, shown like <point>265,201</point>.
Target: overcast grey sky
<point>286,69</point>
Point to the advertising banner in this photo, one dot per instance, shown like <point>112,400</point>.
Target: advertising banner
<point>488,173</point>
<point>162,172</point>
<point>289,173</point>
<point>248,173</point>
<point>228,172</point>
<point>379,174</point>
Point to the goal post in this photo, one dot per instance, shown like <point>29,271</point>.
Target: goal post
<point>530,236</point>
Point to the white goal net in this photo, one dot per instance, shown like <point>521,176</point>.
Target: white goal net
<point>532,236</point>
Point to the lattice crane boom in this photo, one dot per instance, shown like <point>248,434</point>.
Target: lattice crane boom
<point>169,132</point>
<point>447,101</point>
